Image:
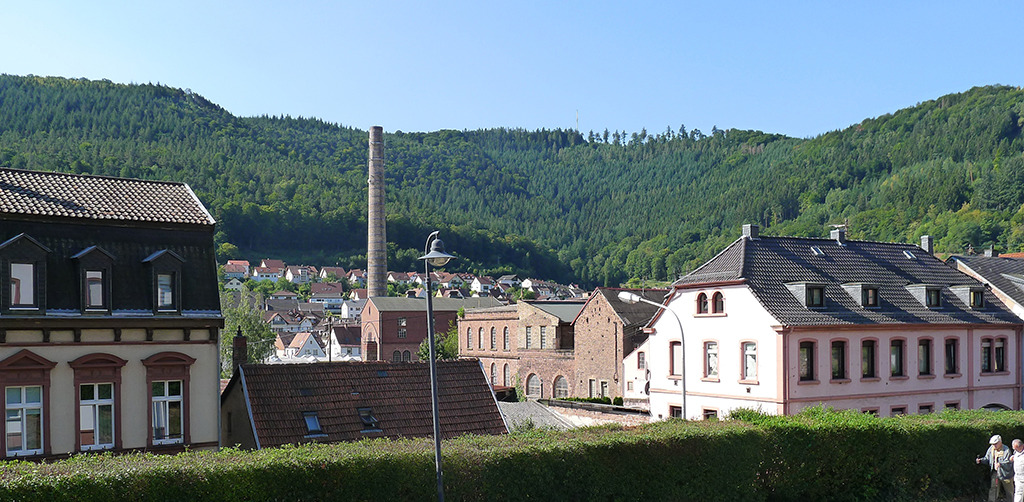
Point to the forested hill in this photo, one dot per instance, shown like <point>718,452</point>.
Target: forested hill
<point>595,207</point>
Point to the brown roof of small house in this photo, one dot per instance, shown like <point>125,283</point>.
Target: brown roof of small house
<point>397,395</point>
<point>61,195</point>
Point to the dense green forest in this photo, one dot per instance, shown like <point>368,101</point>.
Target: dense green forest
<point>596,208</point>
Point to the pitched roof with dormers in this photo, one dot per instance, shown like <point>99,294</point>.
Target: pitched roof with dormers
<point>59,195</point>
<point>768,264</point>
<point>396,394</point>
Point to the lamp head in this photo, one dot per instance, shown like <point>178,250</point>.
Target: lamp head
<point>627,297</point>
<point>437,257</point>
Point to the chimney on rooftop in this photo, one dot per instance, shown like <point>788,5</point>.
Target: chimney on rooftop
<point>839,234</point>
<point>990,252</point>
<point>751,231</point>
<point>239,350</point>
<point>927,245</point>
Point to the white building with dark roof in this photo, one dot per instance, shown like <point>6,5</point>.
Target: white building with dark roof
<point>785,323</point>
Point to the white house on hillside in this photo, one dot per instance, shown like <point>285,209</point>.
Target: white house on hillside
<point>785,323</point>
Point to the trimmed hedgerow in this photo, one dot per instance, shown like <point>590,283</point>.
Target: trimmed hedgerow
<point>817,455</point>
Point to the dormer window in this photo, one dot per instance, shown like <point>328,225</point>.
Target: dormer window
<point>166,266</point>
<point>972,296</point>
<point>977,299</point>
<point>866,295</point>
<point>94,269</point>
<point>23,268</point>
<point>810,295</point>
<point>870,297</point>
<point>930,295</point>
<point>23,286</point>
<point>815,296</point>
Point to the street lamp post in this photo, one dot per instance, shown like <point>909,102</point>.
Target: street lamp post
<point>632,298</point>
<point>438,258</point>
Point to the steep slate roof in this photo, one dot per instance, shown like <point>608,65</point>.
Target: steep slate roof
<point>767,264</point>
<point>565,311</point>
<point>397,393</point>
<point>48,194</point>
<point>404,304</point>
<point>1004,274</point>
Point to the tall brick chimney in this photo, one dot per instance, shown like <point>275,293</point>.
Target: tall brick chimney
<point>376,245</point>
<point>239,350</point>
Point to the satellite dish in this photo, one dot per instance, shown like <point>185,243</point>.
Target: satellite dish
<point>647,375</point>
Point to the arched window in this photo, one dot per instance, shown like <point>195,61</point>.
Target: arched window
<point>505,339</point>
<point>480,338</point>
<point>494,338</point>
<point>396,357</point>
<point>505,376</point>
<point>719,303</point>
<point>561,387</point>
<point>533,386</point>
<point>494,374</point>
<point>406,356</point>
<point>702,303</point>
<point>469,338</point>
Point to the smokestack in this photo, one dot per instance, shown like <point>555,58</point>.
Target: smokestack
<point>239,350</point>
<point>376,249</point>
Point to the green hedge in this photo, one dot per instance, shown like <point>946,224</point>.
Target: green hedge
<point>818,455</point>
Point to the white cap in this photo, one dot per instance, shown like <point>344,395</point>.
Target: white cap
<point>996,439</point>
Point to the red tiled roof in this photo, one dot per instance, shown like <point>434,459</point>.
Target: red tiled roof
<point>398,395</point>
<point>234,268</point>
<point>36,193</point>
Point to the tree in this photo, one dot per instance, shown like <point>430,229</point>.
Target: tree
<point>447,343</point>
<point>242,311</point>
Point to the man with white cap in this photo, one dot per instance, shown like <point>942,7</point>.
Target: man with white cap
<point>999,459</point>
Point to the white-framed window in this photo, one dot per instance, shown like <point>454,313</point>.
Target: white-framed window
<point>23,285</point>
<point>165,292</point>
<point>710,359</point>
<point>543,337</point>
<point>94,297</point>
<point>641,361</point>
<point>749,361</point>
<point>505,339</point>
<point>675,355</point>
<point>529,338</point>
<point>24,420</point>
<point>168,419</point>
<point>494,338</point>
<point>402,333</point>
<point>96,415</point>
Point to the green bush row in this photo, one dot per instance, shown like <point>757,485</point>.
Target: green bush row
<point>817,455</point>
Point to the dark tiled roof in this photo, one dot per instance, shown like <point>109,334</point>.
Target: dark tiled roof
<point>1004,274</point>
<point>767,264</point>
<point>635,314</point>
<point>47,194</point>
<point>397,393</point>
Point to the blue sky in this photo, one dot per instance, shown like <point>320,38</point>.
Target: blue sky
<point>797,68</point>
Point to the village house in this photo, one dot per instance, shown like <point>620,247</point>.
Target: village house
<point>784,323</point>
<point>393,328</point>
<point>482,285</point>
<point>266,274</point>
<point>328,273</point>
<point>233,284</point>
<point>342,341</point>
<point>299,274</point>
<point>266,406</point>
<point>110,318</point>
<point>235,271</point>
